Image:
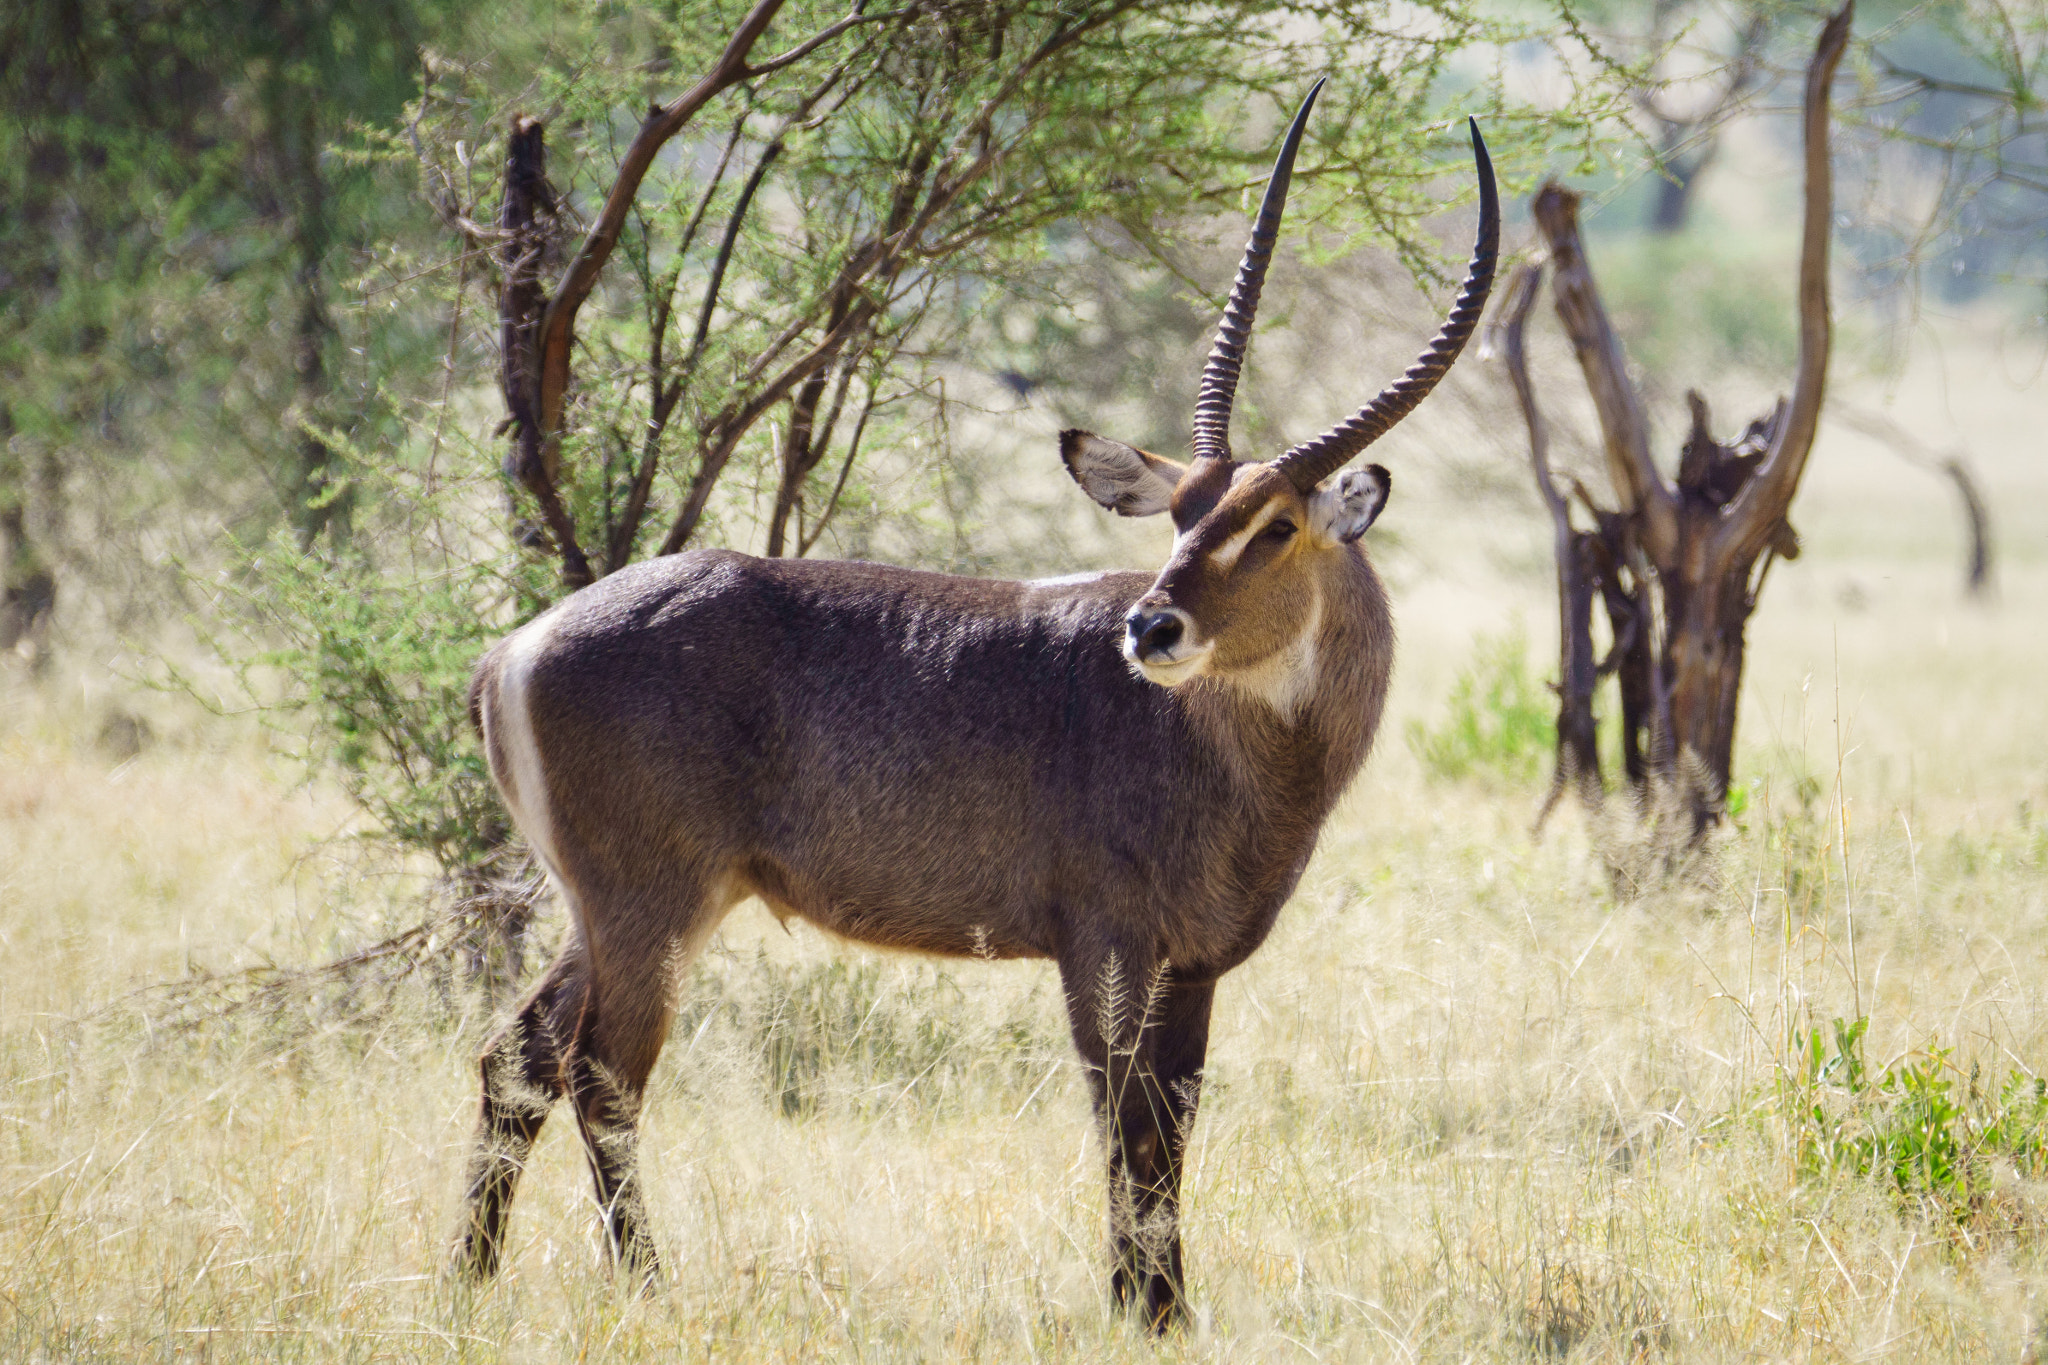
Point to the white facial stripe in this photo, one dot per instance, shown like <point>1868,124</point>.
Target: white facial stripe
<point>1225,556</point>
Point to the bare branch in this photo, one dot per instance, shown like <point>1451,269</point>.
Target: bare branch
<point>1922,81</point>
<point>860,426</point>
<point>716,283</point>
<point>732,429</point>
<point>818,40</point>
<point>808,440</point>
<point>547,352</point>
<point>1752,519</point>
<point>881,258</point>
<point>1578,754</point>
<point>732,142</point>
<point>669,392</point>
<point>975,132</point>
<point>1624,430</point>
<point>1506,338</point>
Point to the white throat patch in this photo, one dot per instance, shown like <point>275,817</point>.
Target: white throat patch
<point>1285,679</point>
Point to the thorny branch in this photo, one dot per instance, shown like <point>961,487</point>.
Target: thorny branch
<point>539,413</point>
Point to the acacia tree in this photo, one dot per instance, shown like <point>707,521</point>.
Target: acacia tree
<point>846,193</point>
<point>1685,117</point>
<point>1677,564</point>
<point>715,316</point>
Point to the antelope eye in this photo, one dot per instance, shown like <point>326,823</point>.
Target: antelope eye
<point>1281,530</point>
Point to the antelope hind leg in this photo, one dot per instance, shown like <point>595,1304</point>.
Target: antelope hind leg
<point>639,943</point>
<point>522,1079</point>
<point>607,1106</point>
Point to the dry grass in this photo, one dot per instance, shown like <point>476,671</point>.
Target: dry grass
<point>1462,1106</point>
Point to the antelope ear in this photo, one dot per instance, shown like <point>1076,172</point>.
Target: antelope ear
<point>1128,481</point>
<point>1341,512</point>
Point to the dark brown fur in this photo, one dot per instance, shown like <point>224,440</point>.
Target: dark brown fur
<point>949,765</point>
<point>958,766</point>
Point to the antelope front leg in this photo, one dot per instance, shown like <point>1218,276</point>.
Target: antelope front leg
<point>1146,1072</point>
<point>1158,1091</point>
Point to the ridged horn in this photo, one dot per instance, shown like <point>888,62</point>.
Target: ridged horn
<point>1219,377</point>
<point>1309,463</point>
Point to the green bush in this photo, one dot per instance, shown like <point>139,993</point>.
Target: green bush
<point>1500,720</point>
<point>359,657</point>
<point>1935,1136</point>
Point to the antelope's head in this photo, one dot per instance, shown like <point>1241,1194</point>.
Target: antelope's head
<point>1240,588</point>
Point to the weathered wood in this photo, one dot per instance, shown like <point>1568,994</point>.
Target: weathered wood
<point>1624,430</point>
<point>1679,564</point>
<point>525,215</point>
<point>1578,753</point>
<point>1753,517</point>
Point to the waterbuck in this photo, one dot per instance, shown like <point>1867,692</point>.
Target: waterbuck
<point>1122,772</point>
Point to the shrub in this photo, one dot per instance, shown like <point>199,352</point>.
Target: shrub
<point>1500,719</point>
<point>1933,1135</point>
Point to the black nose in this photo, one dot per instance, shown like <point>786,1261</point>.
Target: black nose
<point>1153,632</point>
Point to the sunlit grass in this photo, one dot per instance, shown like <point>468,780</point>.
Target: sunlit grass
<point>1463,1104</point>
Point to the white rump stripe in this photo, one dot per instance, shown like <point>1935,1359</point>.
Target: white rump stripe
<point>524,781</point>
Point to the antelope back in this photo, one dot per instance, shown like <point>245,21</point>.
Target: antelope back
<point>914,760</point>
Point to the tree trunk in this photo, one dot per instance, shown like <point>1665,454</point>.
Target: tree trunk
<point>1674,194</point>
<point>317,505</point>
<point>28,590</point>
<point>1703,665</point>
<point>1680,562</point>
<point>1680,170</point>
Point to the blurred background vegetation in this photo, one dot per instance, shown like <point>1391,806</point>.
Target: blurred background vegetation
<point>1468,1100</point>
<point>250,271</point>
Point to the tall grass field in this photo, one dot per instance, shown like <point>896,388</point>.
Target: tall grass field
<point>1467,1103</point>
